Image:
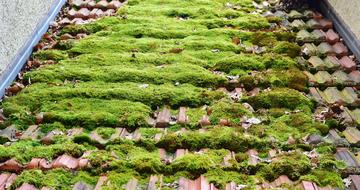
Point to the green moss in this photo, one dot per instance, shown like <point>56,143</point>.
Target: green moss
<point>226,109</point>
<point>288,48</point>
<point>281,98</point>
<point>105,133</point>
<point>220,177</point>
<point>48,127</point>
<point>253,62</point>
<point>24,151</point>
<point>325,178</point>
<point>293,165</point>
<point>216,138</point>
<point>195,164</point>
<point>55,55</point>
<point>292,78</point>
<point>144,161</point>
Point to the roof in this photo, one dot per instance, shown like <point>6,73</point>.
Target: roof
<point>184,95</point>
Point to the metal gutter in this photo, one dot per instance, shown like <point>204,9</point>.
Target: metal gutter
<point>10,74</point>
<point>342,28</point>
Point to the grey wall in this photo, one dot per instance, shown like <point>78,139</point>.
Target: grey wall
<point>18,20</point>
<point>349,11</point>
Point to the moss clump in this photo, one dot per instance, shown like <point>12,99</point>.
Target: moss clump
<point>253,62</point>
<point>56,178</point>
<point>24,151</point>
<point>89,28</point>
<point>221,178</point>
<point>292,78</point>
<point>48,127</point>
<point>263,39</point>
<point>55,55</point>
<point>217,138</point>
<point>288,48</point>
<point>225,109</point>
<point>293,165</point>
<point>324,178</point>
<point>175,73</point>
<point>281,98</point>
<point>105,133</point>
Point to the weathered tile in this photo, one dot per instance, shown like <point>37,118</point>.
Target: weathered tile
<point>352,135</point>
<point>340,49</point>
<point>345,155</point>
<point>163,118</point>
<point>348,64</point>
<point>332,37</point>
<point>355,182</point>
<point>326,49</point>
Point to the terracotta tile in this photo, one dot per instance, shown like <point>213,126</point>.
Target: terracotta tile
<point>91,4</point>
<point>82,186</point>
<point>332,63</point>
<point>345,155</point>
<point>348,64</point>
<point>33,164</point>
<point>315,94</point>
<point>355,76</point>
<point>340,49</point>
<point>295,15</point>
<point>352,135</point>
<point>313,24</point>
<point>182,118</point>
<point>78,21</point>
<point>323,78</point>
<point>298,25</point>
<point>66,161</point>
<point>340,77</point>
<point>3,178</point>
<point>326,49</point>
<point>355,182</point>
<point>72,13</point>
<point>332,37</point>
<point>102,4</point>
<point>31,133</point>
<point>253,157</point>
<point>205,121</point>
<point>83,13</point>
<point>132,184</point>
<point>325,23</point>
<point>114,4</point>
<point>307,185</point>
<point>101,182</point>
<point>11,165</point>
<point>283,179</point>
<point>109,12</point>
<point>153,181</point>
<point>231,186</point>
<point>319,35</point>
<point>163,118</point>
<point>317,63</point>
<point>11,179</point>
<point>27,186</point>
<point>180,152</point>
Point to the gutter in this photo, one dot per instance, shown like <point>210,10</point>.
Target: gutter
<point>341,27</point>
<point>10,74</point>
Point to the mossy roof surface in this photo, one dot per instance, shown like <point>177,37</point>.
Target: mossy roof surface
<point>155,54</point>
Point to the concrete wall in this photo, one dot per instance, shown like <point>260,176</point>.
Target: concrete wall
<point>349,11</point>
<point>18,21</point>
